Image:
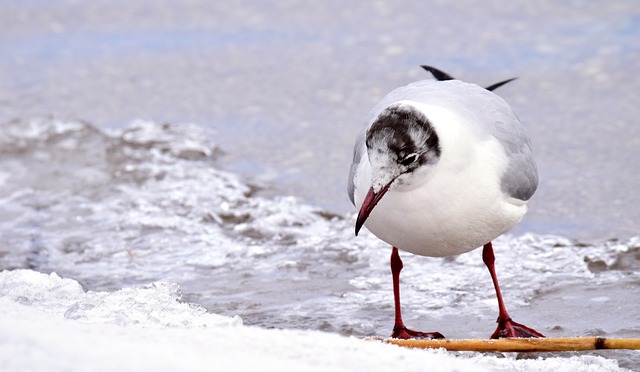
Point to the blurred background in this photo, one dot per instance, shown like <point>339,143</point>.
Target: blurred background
<point>285,86</point>
<point>95,187</point>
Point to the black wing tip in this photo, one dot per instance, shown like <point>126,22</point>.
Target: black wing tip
<point>438,74</point>
<point>442,76</point>
<point>498,85</point>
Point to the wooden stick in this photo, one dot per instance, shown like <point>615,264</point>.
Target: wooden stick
<point>522,344</point>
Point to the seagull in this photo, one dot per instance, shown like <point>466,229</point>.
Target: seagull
<point>443,167</point>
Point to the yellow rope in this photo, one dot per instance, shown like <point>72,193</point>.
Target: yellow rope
<point>522,344</point>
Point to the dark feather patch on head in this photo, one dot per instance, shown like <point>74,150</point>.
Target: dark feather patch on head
<point>404,131</point>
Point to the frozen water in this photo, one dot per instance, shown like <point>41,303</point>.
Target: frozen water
<point>156,209</point>
<point>156,305</point>
<point>146,328</point>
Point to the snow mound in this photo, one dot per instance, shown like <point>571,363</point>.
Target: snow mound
<point>154,305</point>
<point>50,323</point>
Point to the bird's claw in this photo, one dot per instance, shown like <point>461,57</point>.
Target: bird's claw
<point>509,328</point>
<point>405,333</point>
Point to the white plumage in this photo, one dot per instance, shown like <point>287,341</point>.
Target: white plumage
<point>441,168</point>
<point>461,202</point>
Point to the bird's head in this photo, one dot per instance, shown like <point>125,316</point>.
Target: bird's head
<point>402,145</point>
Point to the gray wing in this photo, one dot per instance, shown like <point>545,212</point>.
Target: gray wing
<point>520,179</point>
<point>358,151</point>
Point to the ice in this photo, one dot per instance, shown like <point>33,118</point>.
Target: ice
<point>152,305</point>
<point>125,217</point>
<point>147,328</point>
<point>49,293</point>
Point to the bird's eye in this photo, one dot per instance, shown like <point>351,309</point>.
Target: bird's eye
<point>409,159</point>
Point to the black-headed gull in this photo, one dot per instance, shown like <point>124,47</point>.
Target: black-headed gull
<point>443,167</point>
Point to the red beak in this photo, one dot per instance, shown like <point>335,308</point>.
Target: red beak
<point>368,204</point>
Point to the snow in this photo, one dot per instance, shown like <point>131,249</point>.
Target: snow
<point>50,323</point>
<point>139,214</point>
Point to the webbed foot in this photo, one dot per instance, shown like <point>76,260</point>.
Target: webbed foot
<point>405,333</point>
<point>509,328</point>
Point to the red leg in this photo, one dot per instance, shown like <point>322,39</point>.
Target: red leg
<point>399,329</point>
<point>506,326</point>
